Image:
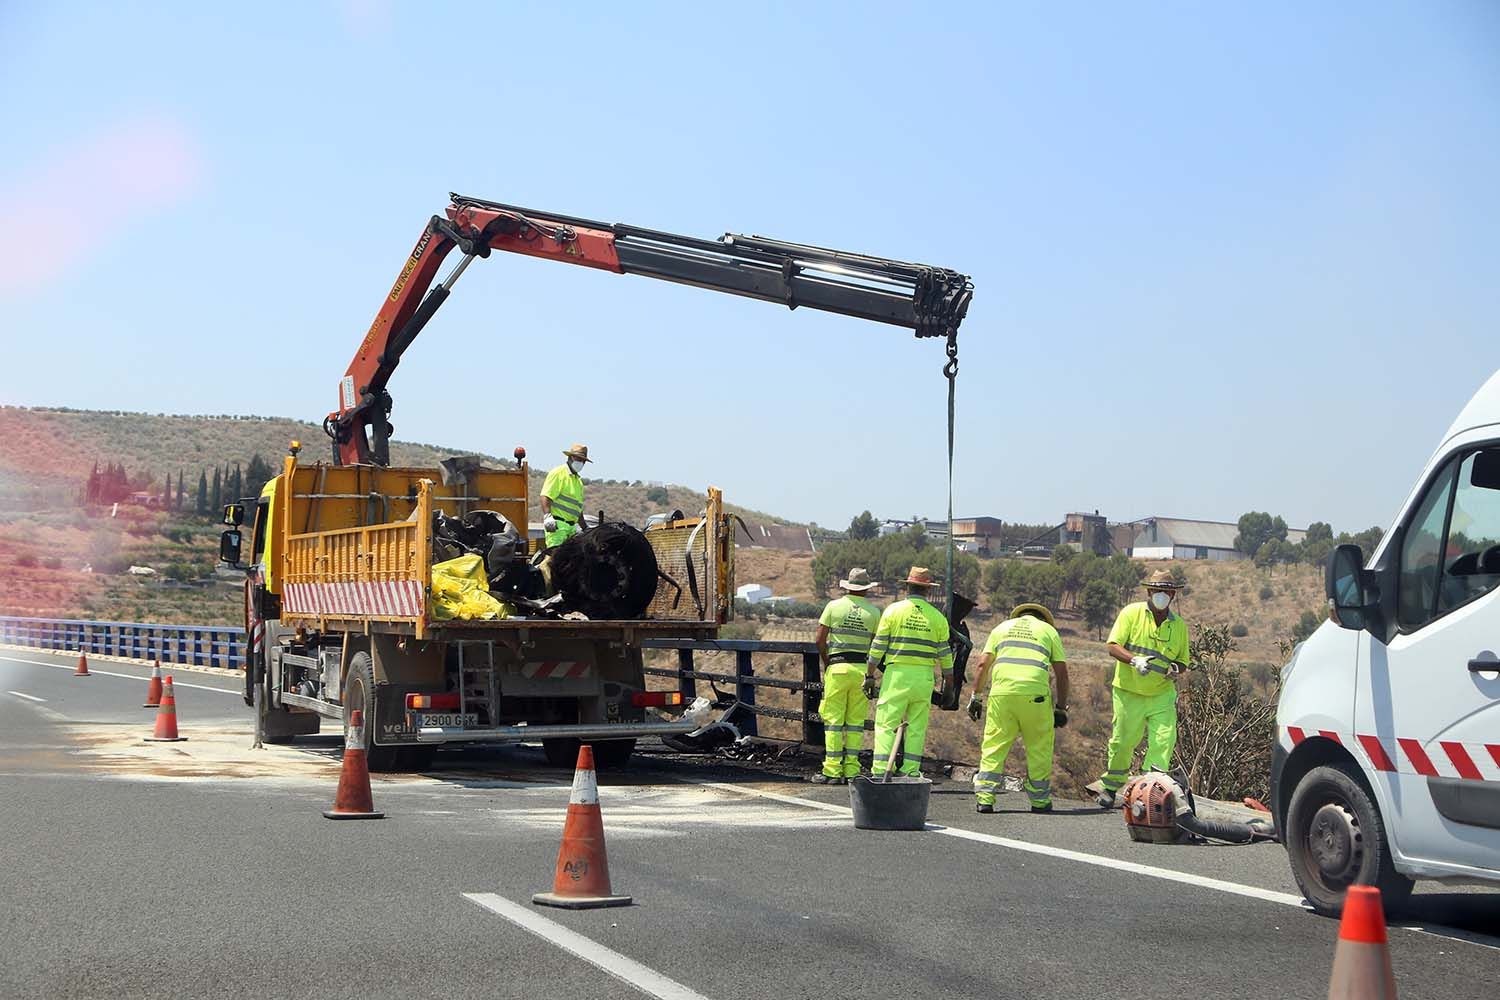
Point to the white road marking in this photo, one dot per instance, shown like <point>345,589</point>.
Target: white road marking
<point>111,673</point>
<point>1099,860</point>
<point>627,970</point>
<point>28,697</point>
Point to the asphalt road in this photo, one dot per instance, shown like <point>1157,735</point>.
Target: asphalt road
<point>205,869</point>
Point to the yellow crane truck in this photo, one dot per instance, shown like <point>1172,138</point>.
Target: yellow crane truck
<point>340,606</point>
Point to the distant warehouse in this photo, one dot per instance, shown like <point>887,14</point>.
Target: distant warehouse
<point>1179,538</point>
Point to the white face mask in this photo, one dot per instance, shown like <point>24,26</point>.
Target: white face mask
<point>575,466</point>
<point>1160,599</point>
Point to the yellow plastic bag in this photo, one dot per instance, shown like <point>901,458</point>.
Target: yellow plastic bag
<point>460,590</point>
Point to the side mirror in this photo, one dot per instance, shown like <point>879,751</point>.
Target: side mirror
<point>1346,585</point>
<point>229,547</point>
<point>234,514</point>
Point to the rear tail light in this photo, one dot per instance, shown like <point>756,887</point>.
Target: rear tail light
<point>655,699</point>
<point>440,702</point>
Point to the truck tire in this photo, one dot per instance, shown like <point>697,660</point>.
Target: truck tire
<point>359,693</point>
<point>277,725</point>
<point>609,755</point>
<point>1335,838</point>
<point>613,755</point>
<point>561,752</point>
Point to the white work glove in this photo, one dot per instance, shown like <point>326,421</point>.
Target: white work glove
<point>549,523</point>
<point>1142,665</point>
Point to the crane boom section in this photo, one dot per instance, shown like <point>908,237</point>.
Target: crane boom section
<point>930,301</point>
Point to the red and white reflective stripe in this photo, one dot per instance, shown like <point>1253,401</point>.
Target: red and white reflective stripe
<point>386,599</point>
<point>567,669</point>
<point>1404,755</point>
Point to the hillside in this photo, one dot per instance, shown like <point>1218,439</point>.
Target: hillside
<point>46,454</point>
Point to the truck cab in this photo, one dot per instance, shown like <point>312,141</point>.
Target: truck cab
<point>1387,762</point>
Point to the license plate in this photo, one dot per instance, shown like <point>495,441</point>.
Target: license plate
<point>445,720</point>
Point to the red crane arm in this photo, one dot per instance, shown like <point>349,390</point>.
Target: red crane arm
<point>931,301</point>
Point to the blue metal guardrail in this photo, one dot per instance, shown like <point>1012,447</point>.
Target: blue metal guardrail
<point>185,644</point>
<point>225,647</point>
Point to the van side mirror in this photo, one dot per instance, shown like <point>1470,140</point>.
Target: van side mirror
<point>234,514</point>
<point>1347,586</point>
<point>229,547</point>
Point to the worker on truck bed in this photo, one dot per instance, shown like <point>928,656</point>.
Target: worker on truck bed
<point>562,497</point>
<point>1150,644</point>
<point>910,640</point>
<point>1024,655</point>
<point>845,631</point>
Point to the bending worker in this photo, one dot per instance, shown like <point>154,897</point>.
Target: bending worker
<point>843,639</point>
<point>1024,651</point>
<point>910,640</point>
<point>562,497</point>
<point>1150,643</point>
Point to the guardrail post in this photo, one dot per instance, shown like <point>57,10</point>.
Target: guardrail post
<point>686,686</point>
<point>745,691</point>
<point>812,724</point>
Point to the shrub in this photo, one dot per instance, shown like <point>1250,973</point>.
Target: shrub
<point>26,561</point>
<point>1240,630</point>
<point>1266,593</point>
<point>52,562</point>
<point>1224,731</point>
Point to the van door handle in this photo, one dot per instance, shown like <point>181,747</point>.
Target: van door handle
<point>1484,666</point>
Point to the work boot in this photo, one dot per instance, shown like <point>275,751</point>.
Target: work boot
<point>1042,809</point>
<point>984,807</point>
<point>1106,799</point>
<point>825,779</point>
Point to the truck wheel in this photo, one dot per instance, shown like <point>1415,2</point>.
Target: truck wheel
<point>561,752</point>
<point>613,755</point>
<point>1335,838</point>
<point>359,693</point>
<point>277,725</point>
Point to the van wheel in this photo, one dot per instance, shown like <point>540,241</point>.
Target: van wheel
<point>359,693</point>
<point>1336,838</point>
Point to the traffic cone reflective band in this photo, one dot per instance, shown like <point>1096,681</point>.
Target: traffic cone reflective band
<point>582,879</point>
<point>352,800</point>
<point>83,666</point>
<point>153,688</point>
<point>1362,960</point>
<point>166,717</point>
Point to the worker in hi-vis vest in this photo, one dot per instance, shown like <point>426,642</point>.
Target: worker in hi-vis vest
<point>845,631</point>
<point>562,497</point>
<point>1150,644</point>
<point>911,639</point>
<point>1024,653</point>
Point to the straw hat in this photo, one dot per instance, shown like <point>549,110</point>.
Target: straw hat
<point>1039,610</point>
<point>580,452</point>
<point>920,576</point>
<point>858,582</point>
<point>1161,580</point>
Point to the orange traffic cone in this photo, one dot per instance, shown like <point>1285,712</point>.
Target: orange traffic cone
<point>153,688</point>
<point>83,666</point>
<point>1362,960</point>
<point>166,717</point>
<point>352,800</point>
<point>582,880</point>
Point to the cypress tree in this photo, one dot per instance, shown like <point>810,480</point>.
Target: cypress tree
<point>202,493</point>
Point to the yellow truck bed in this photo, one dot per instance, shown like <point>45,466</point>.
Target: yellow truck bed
<point>352,546</point>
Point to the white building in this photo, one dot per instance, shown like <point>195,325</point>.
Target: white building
<point>753,593</point>
<point>1180,538</point>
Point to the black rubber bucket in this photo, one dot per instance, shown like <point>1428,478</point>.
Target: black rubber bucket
<point>899,804</point>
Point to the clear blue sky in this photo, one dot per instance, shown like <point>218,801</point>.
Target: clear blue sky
<point>1225,259</point>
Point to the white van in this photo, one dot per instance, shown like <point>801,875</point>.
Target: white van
<point>1387,762</point>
